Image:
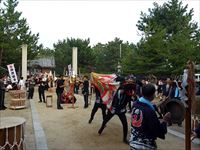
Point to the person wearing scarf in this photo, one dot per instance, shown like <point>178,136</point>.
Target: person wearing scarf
<point>145,125</point>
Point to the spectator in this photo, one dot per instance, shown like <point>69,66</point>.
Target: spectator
<point>85,90</point>
<point>41,90</point>
<point>2,92</point>
<point>59,90</point>
<point>21,84</point>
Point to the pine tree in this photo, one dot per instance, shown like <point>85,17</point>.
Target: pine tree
<point>169,38</point>
<point>15,33</point>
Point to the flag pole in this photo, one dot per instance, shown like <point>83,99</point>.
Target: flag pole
<point>191,96</point>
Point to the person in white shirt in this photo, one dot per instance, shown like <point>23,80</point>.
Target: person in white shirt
<point>21,84</point>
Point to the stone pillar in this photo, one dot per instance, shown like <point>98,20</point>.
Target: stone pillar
<point>24,61</point>
<point>75,60</point>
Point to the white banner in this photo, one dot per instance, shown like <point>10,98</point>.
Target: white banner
<point>70,70</point>
<point>12,73</point>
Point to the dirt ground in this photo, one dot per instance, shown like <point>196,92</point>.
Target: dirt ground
<point>68,129</point>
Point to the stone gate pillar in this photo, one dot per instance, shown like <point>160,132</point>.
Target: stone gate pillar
<point>24,61</point>
<point>75,59</point>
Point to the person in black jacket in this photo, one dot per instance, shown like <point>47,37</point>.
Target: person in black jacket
<point>41,90</point>
<point>60,84</point>
<point>2,92</point>
<point>31,84</point>
<point>98,104</point>
<point>85,90</point>
<point>118,107</point>
<point>145,126</point>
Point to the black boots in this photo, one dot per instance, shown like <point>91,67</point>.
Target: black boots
<point>125,141</point>
<point>101,129</point>
<point>90,120</point>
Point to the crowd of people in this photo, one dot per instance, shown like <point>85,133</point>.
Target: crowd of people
<point>133,95</point>
<point>44,83</point>
<point>146,126</point>
<point>140,96</point>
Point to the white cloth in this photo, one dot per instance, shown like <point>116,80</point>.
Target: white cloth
<point>9,87</point>
<point>21,85</point>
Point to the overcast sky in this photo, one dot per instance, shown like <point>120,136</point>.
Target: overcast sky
<point>99,20</point>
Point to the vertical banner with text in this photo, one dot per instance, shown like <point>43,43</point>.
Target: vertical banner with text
<point>12,73</point>
<point>70,70</point>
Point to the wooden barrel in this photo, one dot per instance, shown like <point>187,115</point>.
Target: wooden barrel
<point>177,110</point>
<point>12,133</point>
<point>18,93</point>
<point>17,103</point>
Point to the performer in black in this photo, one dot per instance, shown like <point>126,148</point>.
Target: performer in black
<point>76,86</point>
<point>118,108</point>
<point>41,90</point>
<point>130,93</point>
<point>59,90</point>
<point>2,92</point>
<point>31,84</point>
<point>85,91</point>
<point>98,104</point>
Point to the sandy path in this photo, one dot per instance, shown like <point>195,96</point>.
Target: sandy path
<point>69,129</point>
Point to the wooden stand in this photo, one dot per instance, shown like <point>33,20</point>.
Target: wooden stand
<point>49,97</point>
<point>49,101</point>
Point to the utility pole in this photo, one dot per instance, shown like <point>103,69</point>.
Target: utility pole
<point>119,65</point>
<point>191,97</point>
<point>120,51</point>
<point>1,50</point>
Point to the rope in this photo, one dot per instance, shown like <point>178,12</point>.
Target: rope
<point>14,144</point>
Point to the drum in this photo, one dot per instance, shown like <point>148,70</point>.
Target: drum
<point>17,103</point>
<point>176,108</point>
<point>12,133</point>
<point>18,93</point>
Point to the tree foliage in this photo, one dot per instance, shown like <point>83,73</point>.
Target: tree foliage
<point>63,54</point>
<point>15,32</point>
<point>45,52</point>
<point>107,56</point>
<point>99,52</point>
<point>169,38</point>
<point>127,61</point>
